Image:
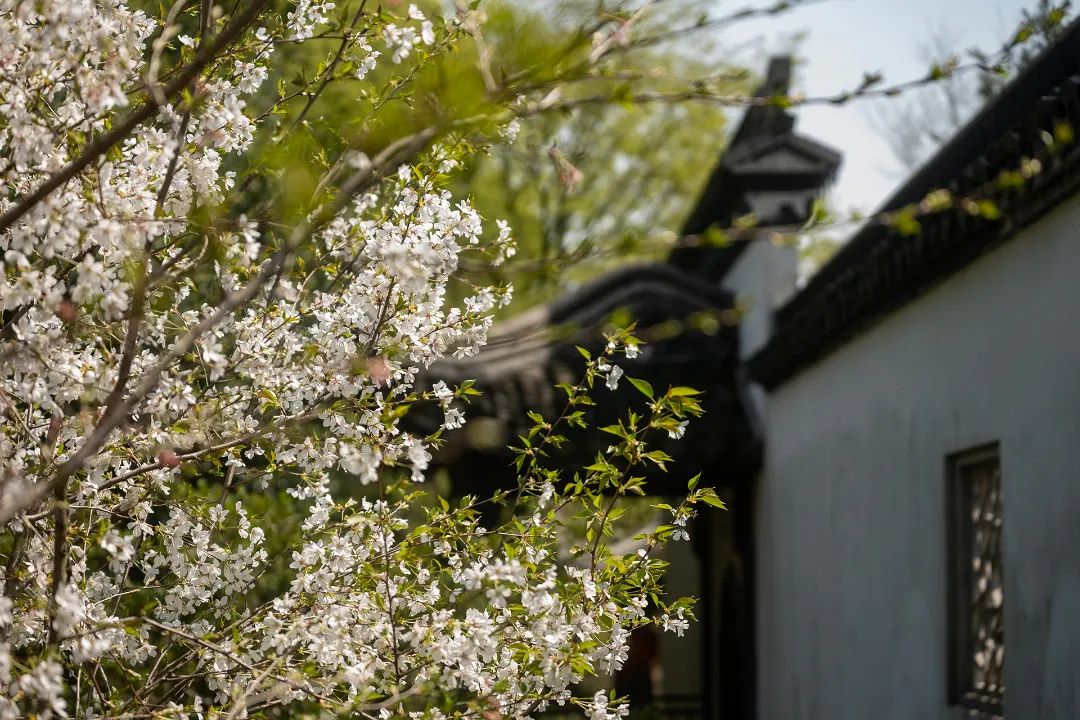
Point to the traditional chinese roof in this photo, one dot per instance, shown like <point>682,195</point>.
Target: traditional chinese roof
<point>880,270</point>
<point>769,171</point>
<point>688,322</point>
<point>691,338</point>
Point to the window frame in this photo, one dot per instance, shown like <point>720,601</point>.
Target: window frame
<point>960,578</point>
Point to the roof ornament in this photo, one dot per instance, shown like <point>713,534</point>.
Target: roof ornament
<point>767,171</point>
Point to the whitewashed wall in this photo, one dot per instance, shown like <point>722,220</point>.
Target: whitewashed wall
<point>851,526</point>
<point>762,277</point>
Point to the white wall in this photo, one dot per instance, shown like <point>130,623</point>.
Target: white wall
<point>851,524</point>
<point>763,276</point>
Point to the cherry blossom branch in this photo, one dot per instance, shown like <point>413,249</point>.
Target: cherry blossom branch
<point>483,50</point>
<point>555,102</point>
<point>389,159</point>
<point>60,558</point>
<point>213,648</point>
<point>720,22</point>
<point>621,35</point>
<point>348,36</point>
<point>142,282</point>
<point>11,569</point>
<point>151,103</point>
<point>241,702</point>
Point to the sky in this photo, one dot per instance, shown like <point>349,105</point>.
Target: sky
<point>846,38</point>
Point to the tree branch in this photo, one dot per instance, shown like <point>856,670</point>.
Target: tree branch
<point>103,143</point>
<point>389,159</point>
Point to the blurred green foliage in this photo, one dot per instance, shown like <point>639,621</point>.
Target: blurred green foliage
<point>584,188</point>
<point>603,183</point>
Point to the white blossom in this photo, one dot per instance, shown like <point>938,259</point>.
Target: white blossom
<point>599,709</point>
<point>454,419</point>
<point>169,553</point>
<point>679,430</point>
<point>613,376</point>
<point>676,624</point>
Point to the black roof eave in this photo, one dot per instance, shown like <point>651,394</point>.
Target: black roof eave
<point>991,122</point>
<point>836,305</point>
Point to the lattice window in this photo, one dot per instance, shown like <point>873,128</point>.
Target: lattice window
<point>977,632</point>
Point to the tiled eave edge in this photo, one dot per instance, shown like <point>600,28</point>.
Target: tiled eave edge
<point>887,270</point>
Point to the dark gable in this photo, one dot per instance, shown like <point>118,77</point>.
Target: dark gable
<point>690,323</point>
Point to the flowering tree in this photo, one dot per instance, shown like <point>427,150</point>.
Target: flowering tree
<point>164,357</point>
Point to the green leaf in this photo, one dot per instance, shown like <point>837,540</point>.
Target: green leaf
<point>1023,34</point>
<point>708,496</point>
<point>905,222</point>
<point>584,353</point>
<point>658,456</point>
<point>616,430</point>
<point>683,392</point>
<point>692,485</point>
<point>989,210</point>
<point>643,386</point>
<point>715,237</point>
<point>1063,133</point>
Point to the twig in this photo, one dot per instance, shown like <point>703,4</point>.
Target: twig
<point>389,159</point>
<point>328,74</point>
<point>103,143</point>
<point>59,568</point>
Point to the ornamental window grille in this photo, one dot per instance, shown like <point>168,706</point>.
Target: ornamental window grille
<point>976,597</point>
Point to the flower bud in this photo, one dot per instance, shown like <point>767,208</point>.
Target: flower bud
<point>378,370</point>
<point>67,311</point>
<point>168,458</point>
<point>54,430</point>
